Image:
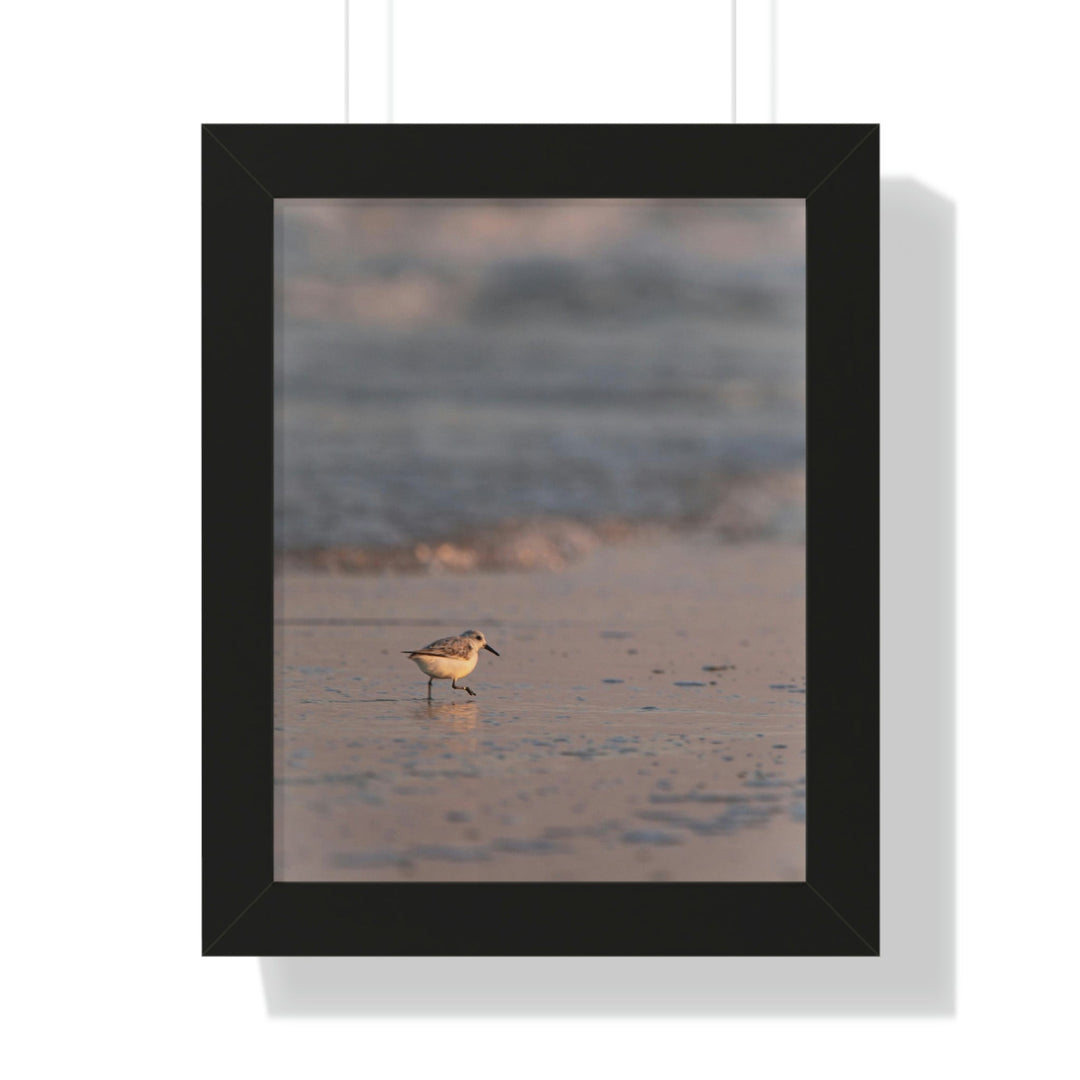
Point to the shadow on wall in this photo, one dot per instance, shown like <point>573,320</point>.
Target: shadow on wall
<point>915,975</point>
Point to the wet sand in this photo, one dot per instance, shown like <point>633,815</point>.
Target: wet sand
<point>645,721</point>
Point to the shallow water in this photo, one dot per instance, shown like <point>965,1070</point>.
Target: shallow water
<point>589,753</point>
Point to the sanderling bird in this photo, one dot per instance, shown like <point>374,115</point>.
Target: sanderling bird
<point>450,658</point>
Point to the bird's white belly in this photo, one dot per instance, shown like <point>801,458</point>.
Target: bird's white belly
<point>445,667</point>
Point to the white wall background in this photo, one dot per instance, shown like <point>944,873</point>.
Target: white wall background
<point>100,445</point>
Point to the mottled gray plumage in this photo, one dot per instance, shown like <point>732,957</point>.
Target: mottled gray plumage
<point>446,646</point>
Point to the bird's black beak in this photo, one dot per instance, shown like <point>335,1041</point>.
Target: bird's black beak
<point>490,649</point>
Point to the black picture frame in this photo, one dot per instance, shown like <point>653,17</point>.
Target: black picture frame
<point>835,169</point>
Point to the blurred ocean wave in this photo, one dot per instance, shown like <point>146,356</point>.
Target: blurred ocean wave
<point>432,385</point>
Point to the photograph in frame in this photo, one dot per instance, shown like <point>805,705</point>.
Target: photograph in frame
<point>578,425</point>
<point>618,423</point>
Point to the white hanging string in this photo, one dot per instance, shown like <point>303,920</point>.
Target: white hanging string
<point>734,59</point>
<point>389,61</point>
<point>754,39</point>
<point>371,23</point>
<point>772,60</point>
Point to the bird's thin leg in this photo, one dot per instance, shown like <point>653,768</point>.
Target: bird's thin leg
<point>453,683</point>
<point>429,682</point>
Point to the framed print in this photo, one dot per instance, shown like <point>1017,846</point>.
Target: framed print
<point>540,540</point>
